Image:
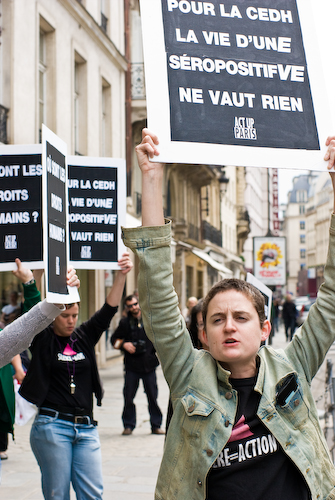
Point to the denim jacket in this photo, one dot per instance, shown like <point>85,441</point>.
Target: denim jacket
<point>203,399</point>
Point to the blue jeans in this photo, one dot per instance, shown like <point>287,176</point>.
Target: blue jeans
<point>67,452</point>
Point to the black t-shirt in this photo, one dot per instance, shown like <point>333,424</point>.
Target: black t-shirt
<point>70,364</point>
<point>252,464</point>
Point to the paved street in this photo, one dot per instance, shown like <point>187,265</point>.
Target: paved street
<point>130,463</point>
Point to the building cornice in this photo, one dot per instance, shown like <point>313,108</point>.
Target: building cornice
<point>89,24</point>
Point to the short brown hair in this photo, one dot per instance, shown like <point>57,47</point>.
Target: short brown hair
<point>251,292</point>
<point>68,306</point>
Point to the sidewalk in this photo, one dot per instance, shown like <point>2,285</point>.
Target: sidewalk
<point>130,463</point>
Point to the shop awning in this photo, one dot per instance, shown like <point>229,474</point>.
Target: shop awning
<point>223,270</point>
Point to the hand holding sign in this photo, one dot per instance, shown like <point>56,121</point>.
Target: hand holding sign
<point>330,154</point>
<point>236,84</point>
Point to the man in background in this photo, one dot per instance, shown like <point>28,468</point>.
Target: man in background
<point>140,362</point>
<point>289,316</point>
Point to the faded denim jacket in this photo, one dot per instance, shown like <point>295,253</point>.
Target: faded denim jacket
<point>203,399</point>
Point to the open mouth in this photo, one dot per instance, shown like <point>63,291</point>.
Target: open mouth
<point>230,341</point>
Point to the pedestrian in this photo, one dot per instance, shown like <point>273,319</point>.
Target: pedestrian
<point>8,373</point>
<point>244,424</point>
<point>289,314</point>
<point>275,315</point>
<point>196,326</point>
<point>11,311</point>
<point>191,302</point>
<point>140,363</point>
<point>16,337</point>
<point>61,380</point>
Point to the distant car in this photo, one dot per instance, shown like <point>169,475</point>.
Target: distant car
<point>304,310</point>
<point>300,301</point>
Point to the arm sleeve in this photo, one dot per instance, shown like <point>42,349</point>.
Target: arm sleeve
<point>98,323</point>
<point>163,322</point>
<point>31,297</point>
<point>17,336</point>
<point>313,339</point>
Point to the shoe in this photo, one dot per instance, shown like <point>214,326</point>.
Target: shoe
<point>3,455</point>
<point>127,431</point>
<point>157,431</point>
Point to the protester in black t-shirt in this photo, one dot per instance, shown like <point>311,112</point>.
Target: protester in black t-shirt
<point>244,424</point>
<point>61,381</point>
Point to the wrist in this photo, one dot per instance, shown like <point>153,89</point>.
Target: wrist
<point>29,282</point>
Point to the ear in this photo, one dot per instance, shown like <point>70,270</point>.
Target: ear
<point>203,338</point>
<point>266,329</point>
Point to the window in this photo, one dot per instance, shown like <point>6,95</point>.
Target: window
<point>302,225</point>
<point>46,105</point>
<point>80,105</point>
<point>104,15</point>
<point>301,209</point>
<point>189,281</point>
<point>302,238</point>
<point>301,195</point>
<point>106,139</point>
<point>302,254</point>
<point>41,83</point>
<point>200,285</point>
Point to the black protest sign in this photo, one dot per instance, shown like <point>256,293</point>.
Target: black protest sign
<point>246,64</point>
<point>56,219</point>
<point>96,211</point>
<point>239,83</point>
<point>55,234</point>
<point>20,206</point>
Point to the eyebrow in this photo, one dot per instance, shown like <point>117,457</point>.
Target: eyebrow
<point>235,313</point>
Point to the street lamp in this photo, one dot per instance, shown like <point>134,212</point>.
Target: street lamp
<point>223,180</point>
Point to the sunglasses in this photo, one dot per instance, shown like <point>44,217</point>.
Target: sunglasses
<point>132,305</point>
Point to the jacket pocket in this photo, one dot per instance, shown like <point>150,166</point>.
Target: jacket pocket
<point>296,410</point>
<point>331,495</point>
<point>196,411</point>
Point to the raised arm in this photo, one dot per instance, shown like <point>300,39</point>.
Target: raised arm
<point>17,336</point>
<point>115,295</point>
<point>330,158</point>
<point>163,322</point>
<point>32,279</point>
<point>313,339</point>
<point>152,180</point>
<point>31,293</point>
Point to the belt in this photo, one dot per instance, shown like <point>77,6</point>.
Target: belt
<point>76,419</point>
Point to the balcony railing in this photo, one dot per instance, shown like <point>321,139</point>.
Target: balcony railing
<point>3,124</point>
<point>211,234</point>
<point>137,81</point>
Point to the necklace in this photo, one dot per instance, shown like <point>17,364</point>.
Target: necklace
<point>68,351</point>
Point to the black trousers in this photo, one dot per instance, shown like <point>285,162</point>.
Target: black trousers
<point>131,383</point>
<point>3,441</point>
